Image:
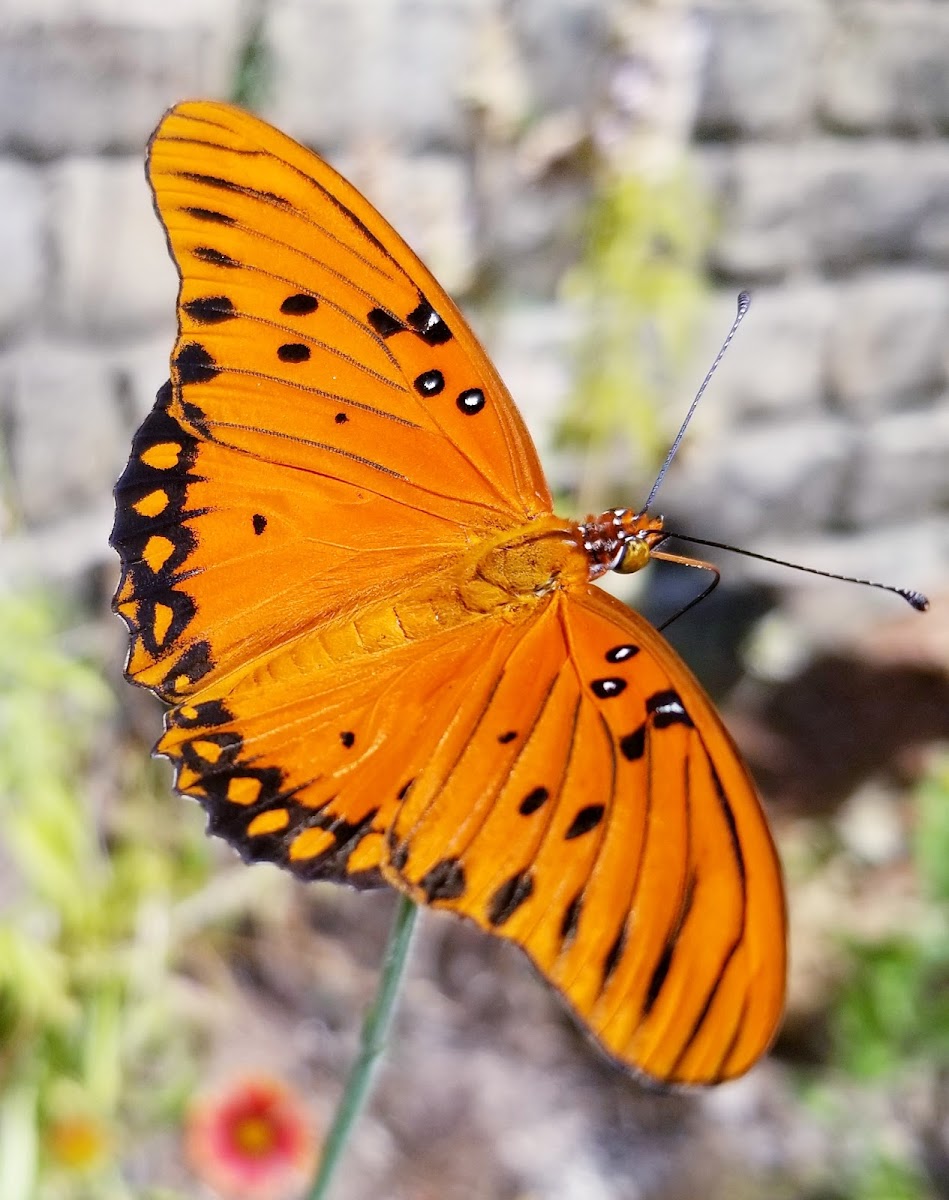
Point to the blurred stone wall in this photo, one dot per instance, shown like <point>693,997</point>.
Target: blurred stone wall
<point>821,132</point>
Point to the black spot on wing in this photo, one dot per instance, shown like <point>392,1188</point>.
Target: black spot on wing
<point>633,745</point>
<point>429,383</point>
<point>658,977</point>
<point>509,897</point>
<point>216,258</point>
<point>471,401</point>
<point>509,736</point>
<point>210,310</point>
<point>429,326</point>
<point>229,185</point>
<point>445,881</point>
<point>586,819</point>
<point>299,305</point>
<point>614,954</point>
<point>194,364</point>
<point>609,688</point>
<point>293,352</point>
<point>384,323</point>
<point>348,738</point>
<point>182,610</point>
<point>666,708</point>
<point>210,215</point>
<point>204,715</point>
<point>192,666</point>
<point>259,522</point>
<point>571,919</point>
<point>535,799</point>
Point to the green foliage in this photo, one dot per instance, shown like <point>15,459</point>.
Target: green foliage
<point>894,1010</point>
<point>885,1179</point>
<point>253,77</point>
<point>640,285</point>
<point>83,994</point>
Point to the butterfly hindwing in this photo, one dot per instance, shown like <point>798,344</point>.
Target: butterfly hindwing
<point>619,841</point>
<point>303,760</point>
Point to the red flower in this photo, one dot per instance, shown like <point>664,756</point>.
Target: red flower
<point>252,1140</point>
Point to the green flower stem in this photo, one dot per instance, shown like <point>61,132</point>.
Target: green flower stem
<point>371,1044</point>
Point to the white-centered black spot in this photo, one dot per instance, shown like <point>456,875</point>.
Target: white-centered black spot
<point>471,401</point>
<point>428,324</point>
<point>666,708</point>
<point>621,653</point>
<point>430,383</point>
<point>608,688</point>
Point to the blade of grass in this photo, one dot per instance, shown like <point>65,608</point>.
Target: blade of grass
<point>371,1044</point>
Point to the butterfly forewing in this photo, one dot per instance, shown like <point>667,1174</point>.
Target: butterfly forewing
<point>292,284</point>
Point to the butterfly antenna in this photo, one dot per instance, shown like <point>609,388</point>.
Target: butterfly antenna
<point>744,303</point>
<point>916,599</point>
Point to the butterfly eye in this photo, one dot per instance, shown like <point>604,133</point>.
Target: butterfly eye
<point>632,556</point>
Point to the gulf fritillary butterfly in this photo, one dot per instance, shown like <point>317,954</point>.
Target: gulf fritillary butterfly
<point>386,659</point>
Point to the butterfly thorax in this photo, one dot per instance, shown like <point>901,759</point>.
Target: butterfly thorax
<point>620,540</point>
<point>518,567</point>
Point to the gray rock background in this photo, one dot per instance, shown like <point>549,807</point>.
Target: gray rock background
<point>821,133</point>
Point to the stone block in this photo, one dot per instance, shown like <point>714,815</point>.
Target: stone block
<point>66,443</point>
<point>783,477</point>
<point>532,347</point>
<point>878,199</point>
<point>832,205</point>
<point>112,276</point>
<point>759,196</point>
<point>888,347</point>
<point>23,229</point>
<point>761,68</point>
<point>563,46</point>
<point>346,72</point>
<point>96,77</point>
<point>884,67</point>
<point>777,366</point>
<point>901,468</point>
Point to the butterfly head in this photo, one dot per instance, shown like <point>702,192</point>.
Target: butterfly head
<point>620,540</point>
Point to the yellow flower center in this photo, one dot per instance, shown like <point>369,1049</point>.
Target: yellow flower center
<point>254,1136</point>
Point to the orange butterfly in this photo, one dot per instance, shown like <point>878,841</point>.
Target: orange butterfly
<point>385,655</point>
